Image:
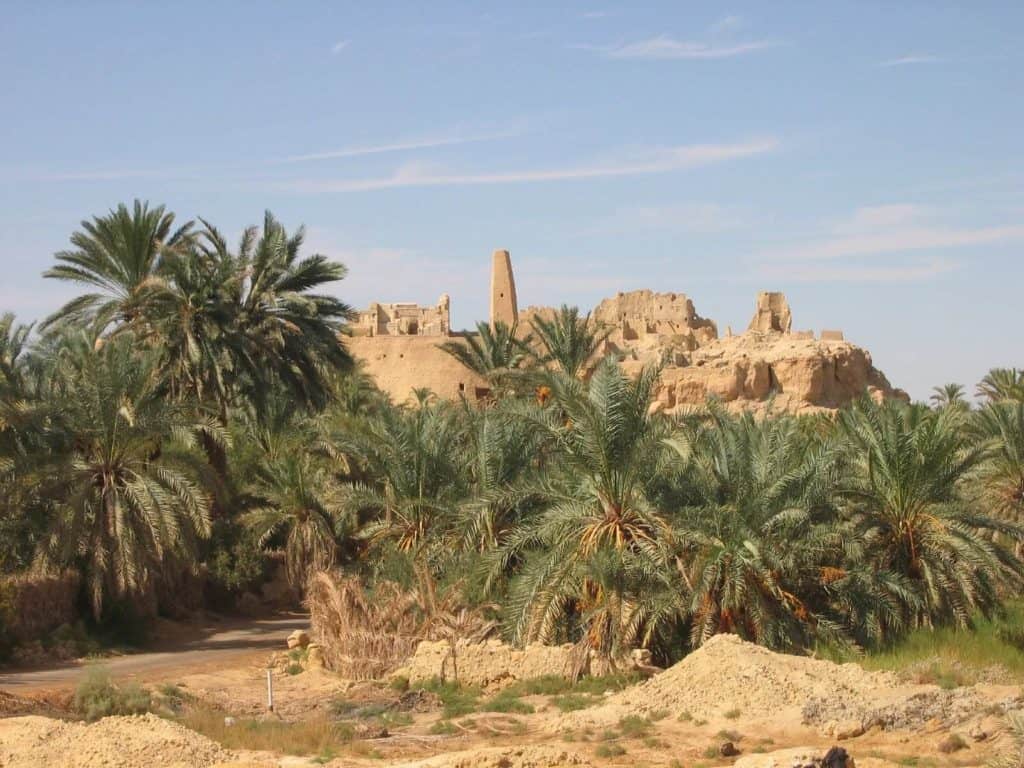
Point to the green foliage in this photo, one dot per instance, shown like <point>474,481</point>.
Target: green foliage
<point>458,700</point>
<point>495,353</point>
<point>508,702</point>
<point>96,696</point>
<point>198,407</point>
<point>569,340</point>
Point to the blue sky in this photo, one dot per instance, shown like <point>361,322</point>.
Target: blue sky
<point>863,157</point>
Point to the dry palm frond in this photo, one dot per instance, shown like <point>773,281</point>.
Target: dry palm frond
<point>365,635</point>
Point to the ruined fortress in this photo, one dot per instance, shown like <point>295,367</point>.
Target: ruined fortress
<point>399,346</point>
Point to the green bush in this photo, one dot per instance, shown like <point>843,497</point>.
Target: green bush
<point>96,696</point>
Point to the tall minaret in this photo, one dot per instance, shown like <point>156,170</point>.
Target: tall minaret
<point>503,290</point>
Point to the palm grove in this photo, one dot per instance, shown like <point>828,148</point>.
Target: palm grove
<point>195,410</point>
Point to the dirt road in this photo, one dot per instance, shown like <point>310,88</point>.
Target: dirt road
<point>194,650</point>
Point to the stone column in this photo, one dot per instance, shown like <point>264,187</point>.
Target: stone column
<point>503,290</point>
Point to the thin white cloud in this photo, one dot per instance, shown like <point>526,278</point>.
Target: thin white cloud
<point>899,240</point>
<point>817,273</point>
<point>688,217</point>
<point>873,218</point>
<point>668,48</point>
<point>595,15</point>
<point>654,161</point>
<point>919,58</point>
<point>881,230</point>
<point>402,146</point>
<point>726,23</point>
<point>339,46</point>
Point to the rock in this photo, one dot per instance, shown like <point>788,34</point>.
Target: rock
<point>953,742</point>
<point>418,701</point>
<point>298,639</point>
<point>728,749</point>
<point>229,722</point>
<point>314,656</point>
<point>836,757</point>
<point>845,729</point>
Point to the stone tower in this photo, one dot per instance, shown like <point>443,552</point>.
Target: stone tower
<point>503,290</point>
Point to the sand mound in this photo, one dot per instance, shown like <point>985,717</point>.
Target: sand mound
<point>503,757</point>
<point>729,675</point>
<point>127,742</point>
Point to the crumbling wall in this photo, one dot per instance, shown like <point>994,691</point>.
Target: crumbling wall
<point>637,314</point>
<point>405,319</point>
<point>490,664</point>
<point>399,364</point>
<point>772,314</point>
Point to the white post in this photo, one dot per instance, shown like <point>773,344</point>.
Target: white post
<point>270,691</point>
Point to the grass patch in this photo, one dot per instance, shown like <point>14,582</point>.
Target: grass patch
<point>443,728</point>
<point>732,714</point>
<point>634,727</point>
<point>729,735</point>
<point>950,657</point>
<point>458,700</point>
<point>573,702</point>
<point>310,737</point>
<point>507,701</point>
<point>610,750</point>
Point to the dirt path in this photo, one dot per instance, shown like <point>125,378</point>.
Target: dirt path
<point>193,650</point>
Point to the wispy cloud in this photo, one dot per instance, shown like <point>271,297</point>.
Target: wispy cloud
<point>595,15</point>
<point>661,160</point>
<point>901,240</point>
<point>688,217</point>
<point>726,23</point>
<point>427,142</point>
<point>664,47</point>
<point>816,273</point>
<point>882,244</point>
<point>919,58</point>
<point>339,46</point>
<point>899,233</point>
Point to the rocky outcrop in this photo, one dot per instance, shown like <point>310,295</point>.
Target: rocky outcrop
<point>754,370</point>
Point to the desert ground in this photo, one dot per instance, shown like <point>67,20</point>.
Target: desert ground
<point>729,703</point>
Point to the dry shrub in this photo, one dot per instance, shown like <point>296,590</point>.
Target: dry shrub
<point>362,636</point>
<point>33,605</point>
<point>366,635</point>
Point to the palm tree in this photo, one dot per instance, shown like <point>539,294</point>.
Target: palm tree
<point>1002,384</point>
<point>948,395</point>
<point>119,255</point>
<point>193,321</point>
<point>414,459</point>
<point>907,465</point>
<point>592,554</point>
<point>122,472</point>
<point>298,499</point>
<point>999,479</point>
<point>493,353</point>
<point>283,331</point>
<point>503,453</point>
<point>569,341</point>
<point>758,541</point>
<point>23,435</point>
